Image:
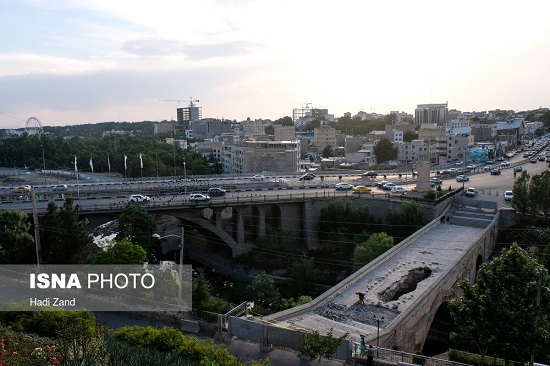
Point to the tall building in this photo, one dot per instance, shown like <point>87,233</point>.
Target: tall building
<point>430,113</point>
<point>185,116</point>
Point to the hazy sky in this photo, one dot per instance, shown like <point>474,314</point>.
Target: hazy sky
<point>84,61</point>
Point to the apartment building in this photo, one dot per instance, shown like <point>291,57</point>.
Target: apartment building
<point>261,156</point>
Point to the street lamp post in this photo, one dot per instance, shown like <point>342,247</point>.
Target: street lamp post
<point>378,321</point>
<point>180,269</point>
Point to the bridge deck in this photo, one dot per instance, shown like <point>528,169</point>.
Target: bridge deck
<point>437,250</point>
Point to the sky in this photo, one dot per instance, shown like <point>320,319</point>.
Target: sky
<point>70,62</point>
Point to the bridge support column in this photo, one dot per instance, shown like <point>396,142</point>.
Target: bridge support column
<point>261,221</point>
<point>239,226</point>
<point>218,217</point>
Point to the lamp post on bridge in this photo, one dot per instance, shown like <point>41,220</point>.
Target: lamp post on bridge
<point>378,320</point>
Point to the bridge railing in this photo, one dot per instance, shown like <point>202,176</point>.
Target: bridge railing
<point>405,357</point>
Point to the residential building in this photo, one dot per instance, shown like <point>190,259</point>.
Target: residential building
<point>416,150</point>
<point>324,136</point>
<point>261,156</point>
<point>209,128</point>
<point>284,133</point>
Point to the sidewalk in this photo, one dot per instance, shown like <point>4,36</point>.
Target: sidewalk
<point>246,351</point>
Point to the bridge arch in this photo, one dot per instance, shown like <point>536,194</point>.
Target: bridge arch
<point>438,337</point>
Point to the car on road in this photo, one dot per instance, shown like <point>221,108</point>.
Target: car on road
<point>388,186</point>
<point>540,157</point>
<point>343,186</point>
<point>139,198</point>
<point>533,160</point>
<point>307,176</point>
<point>495,171</point>
<point>381,184</point>
<point>462,178</point>
<point>258,177</point>
<point>487,168</point>
<point>508,195</point>
<point>505,164</point>
<point>60,187</point>
<point>470,192</point>
<point>398,189</point>
<point>22,189</point>
<point>435,180</point>
<point>361,189</point>
<point>490,162</point>
<point>518,168</point>
<point>471,166</point>
<point>500,158</point>
<point>216,192</point>
<point>198,197</point>
<point>370,173</point>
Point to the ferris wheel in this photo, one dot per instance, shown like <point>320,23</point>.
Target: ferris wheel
<point>33,126</point>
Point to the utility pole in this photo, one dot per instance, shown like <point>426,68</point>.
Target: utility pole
<point>36,228</point>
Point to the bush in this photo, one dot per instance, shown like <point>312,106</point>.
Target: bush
<point>430,195</point>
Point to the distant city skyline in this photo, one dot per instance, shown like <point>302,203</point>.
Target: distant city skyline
<point>88,61</point>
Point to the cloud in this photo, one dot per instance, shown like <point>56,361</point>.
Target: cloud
<point>165,47</point>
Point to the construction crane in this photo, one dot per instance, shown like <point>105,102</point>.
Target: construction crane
<point>191,101</point>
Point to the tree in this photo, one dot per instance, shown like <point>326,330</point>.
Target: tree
<point>65,238</point>
<point>136,225</point>
<point>317,346</point>
<point>384,151</point>
<point>263,292</point>
<point>500,313</point>
<point>285,121</point>
<point>122,252</point>
<point>408,136</point>
<point>539,196</point>
<point>328,151</point>
<point>408,218</point>
<point>365,252</point>
<point>304,275</point>
<point>520,199</point>
<point>16,244</point>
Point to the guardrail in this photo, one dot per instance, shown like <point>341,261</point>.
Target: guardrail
<point>404,357</point>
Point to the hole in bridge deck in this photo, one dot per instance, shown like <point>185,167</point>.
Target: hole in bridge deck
<point>405,285</point>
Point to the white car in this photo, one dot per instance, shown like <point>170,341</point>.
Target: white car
<point>398,189</point>
<point>389,186</point>
<point>470,192</point>
<point>198,197</point>
<point>343,186</point>
<point>139,198</point>
<point>60,187</point>
<point>258,177</point>
<point>508,195</point>
<point>462,178</point>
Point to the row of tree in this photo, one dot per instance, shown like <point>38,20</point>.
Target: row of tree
<point>131,156</point>
<point>531,194</point>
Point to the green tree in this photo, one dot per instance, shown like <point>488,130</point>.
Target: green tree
<point>520,199</point>
<point>384,151</point>
<point>408,136</point>
<point>304,275</point>
<point>201,292</point>
<point>545,118</point>
<point>136,225</point>
<point>263,292</point>
<point>285,121</point>
<point>317,346</point>
<point>365,252</point>
<point>500,312</point>
<point>64,236</point>
<point>328,152</point>
<point>121,252</point>
<point>405,220</point>
<point>16,244</point>
<point>539,197</point>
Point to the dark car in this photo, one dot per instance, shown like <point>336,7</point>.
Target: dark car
<point>495,171</point>
<point>307,176</point>
<point>518,168</point>
<point>216,192</point>
<point>370,174</point>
